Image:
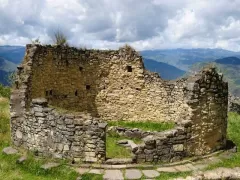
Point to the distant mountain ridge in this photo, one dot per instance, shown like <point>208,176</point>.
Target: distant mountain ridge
<point>10,57</point>
<point>185,58</point>
<point>166,71</point>
<point>229,60</point>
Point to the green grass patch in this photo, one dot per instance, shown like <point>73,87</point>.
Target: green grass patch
<point>115,151</point>
<point>144,125</point>
<point>89,176</point>
<point>167,176</point>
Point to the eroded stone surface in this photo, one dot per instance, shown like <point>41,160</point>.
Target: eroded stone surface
<point>115,161</point>
<point>113,175</point>
<point>133,174</point>
<point>150,173</point>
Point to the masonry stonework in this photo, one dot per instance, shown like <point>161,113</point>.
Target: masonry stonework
<point>109,85</point>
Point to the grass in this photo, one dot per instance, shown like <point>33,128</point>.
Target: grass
<point>116,151</point>
<point>167,176</point>
<point>144,125</point>
<point>89,176</point>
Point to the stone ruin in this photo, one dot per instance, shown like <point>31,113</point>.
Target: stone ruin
<point>97,86</point>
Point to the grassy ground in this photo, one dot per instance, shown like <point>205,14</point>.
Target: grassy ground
<point>147,125</point>
<point>117,151</point>
<point>31,170</point>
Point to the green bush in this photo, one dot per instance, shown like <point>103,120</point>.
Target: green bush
<point>5,91</point>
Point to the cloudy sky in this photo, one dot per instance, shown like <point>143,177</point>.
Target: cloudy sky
<point>144,24</point>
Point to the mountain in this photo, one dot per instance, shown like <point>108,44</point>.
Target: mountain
<point>13,54</point>
<point>10,57</point>
<point>230,67</point>
<point>166,71</point>
<point>185,58</point>
<point>228,61</point>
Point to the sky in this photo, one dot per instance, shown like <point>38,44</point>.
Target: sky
<point>109,24</point>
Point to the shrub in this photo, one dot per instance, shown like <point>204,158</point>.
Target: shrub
<point>35,41</point>
<point>60,38</point>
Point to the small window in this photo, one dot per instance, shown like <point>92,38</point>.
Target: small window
<point>67,63</point>
<point>80,68</point>
<point>129,68</point>
<point>46,93</point>
<point>76,93</point>
<point>50,92</point>
<point>121,87</point>
<point>88,87</point>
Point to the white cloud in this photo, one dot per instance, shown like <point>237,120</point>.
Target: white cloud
<point>145,24</point>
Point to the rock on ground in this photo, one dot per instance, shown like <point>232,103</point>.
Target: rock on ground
<point>21,159</point>
<point>151,173</point>
<point>113,175</point>
<point>133,174</point>
<point>9,151</point>
<point>50,166</point>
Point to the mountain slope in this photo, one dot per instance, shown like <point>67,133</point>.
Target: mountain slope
<point>166,71</point>
<point>10,57</point>
<point>230,67</point>
<point>13,54</point>
<point>185,58</point>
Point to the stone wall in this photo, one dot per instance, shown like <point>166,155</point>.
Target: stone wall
<point>110,84</point>
<point>114,85</point>
<point>44,130</point>
<point>167,146</point>
<point>207,95</point>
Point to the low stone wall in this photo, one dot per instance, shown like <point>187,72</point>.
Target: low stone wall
<point>166,146</point>
<point>79,137</point>
<point>131,133</point>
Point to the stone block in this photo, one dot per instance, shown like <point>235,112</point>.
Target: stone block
<point>178,147</point>
<point>9,151</point>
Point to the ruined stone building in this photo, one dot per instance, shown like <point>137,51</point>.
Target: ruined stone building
<point>108,85</point>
